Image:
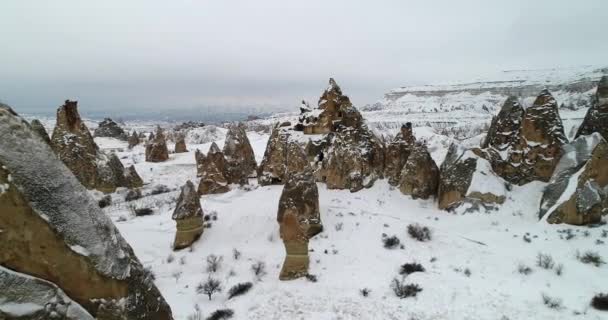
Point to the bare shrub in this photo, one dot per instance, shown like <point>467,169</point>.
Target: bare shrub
<point>214,262</point>
<point>196,315</point>
<point>236,254</point>
<point>311,277</point>
<point>391,242</point>
<point>524,269</point>
<point>209,287</point>
<point>365,292</point>
<point>418,232</point>
<point>409,268</point>
<point>221,314</point>
<point>239,289</point>
<point>403,290</point>
<point>544,261</point>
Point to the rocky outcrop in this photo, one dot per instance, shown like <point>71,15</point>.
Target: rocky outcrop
<point>354,160</point>
<point>299,219</point>
<point>420,175</point>
<point>110,129</point>
<point>212,170</point>
<point>467,178</point>
<point>334,110</point>
<point>74,145</point>
<point>53,230</point>
<point>504,128</point>
<point>188,216</point>
<point>283,156</point>
<point>134,140</point>
<point>180,143</point>
<point>397,153</point>
<point>156,148</point>
<point>40,130</point>
<point>240,160</point>
<point>578,191</point>
<point>596,119</point>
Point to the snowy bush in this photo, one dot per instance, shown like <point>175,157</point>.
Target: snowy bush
<point>259,269</point>
<point>209,287</point>
<point>133,195</point>
<point>140,212</point>
<point>590,257</point>
<point>559,269</point>
<point>236,254</point>
<point>391,242</point>
<point>196,315</point>
<point>239,289</point>
<point>544,261</point>
<point>214,262</point>
<point>418,232</point>
<point>221,314</point>
<point>600,301</point>
<point>365,292</point>
<point>409,268</point>
<point>552,303</point>
<point>170,258</point>
<point>524,269</point>
<point>339,226</point>
<point>403,290</point>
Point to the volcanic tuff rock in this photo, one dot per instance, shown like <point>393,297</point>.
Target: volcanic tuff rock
<point>156,149</point>
<point>596,119</point>
<point>240,160</point>
<point>188,216</point>
<point>578,190</point>
<point>504,128</point>
<point>396,153</point>
<point>134,140</point>
<point>76,246</point>
<point>299,219</point>
<point>212,170</point>
<point>420,175</point>
<point>180,143</point>
<point>40,130</point>
<point>283,155</point>
<point>109,128</point>
<point>74,145</point>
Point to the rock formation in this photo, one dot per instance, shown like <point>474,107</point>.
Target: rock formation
<point>504,129</point>
<point>578,191</point>
<point>134,140</point>
<point>40,130</point>
<point>299,220</point>
<point>397,152</point>
<point>283,156</point>
<point>74,145</point>
<point>466,177</point>
<point>109,128</point>
<point>156,148</point>
<point>420,175</point>
<point>240,160</point>
<point>596,119</point>
<point>212,170</point>
<point>55,235</point>
<point>334,109</point>
<point>180,143</point>
<point>188,216</point>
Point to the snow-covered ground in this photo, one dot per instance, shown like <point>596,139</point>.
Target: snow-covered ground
<point>471,261</point>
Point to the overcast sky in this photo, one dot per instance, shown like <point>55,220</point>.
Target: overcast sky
<point>144,55</point>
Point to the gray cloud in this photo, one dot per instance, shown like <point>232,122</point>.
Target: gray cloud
<point>160,55</point>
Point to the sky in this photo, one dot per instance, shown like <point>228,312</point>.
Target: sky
<point>141,56</point>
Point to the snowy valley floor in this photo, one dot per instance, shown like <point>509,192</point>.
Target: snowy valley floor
<point>349,254</point>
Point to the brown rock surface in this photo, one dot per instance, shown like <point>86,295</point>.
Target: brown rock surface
<point>240,160</point>
<point>156,149</point>
<point>283,155</point>
<point>53,230</point>
<point>133,140</point>
<point>397,152</point>
<point>109,128</point>
<point>420,175</point>
<point>188,216</point>
<point>299,219</point>
<point>211,169</point>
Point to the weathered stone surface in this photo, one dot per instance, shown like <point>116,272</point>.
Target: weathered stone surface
<point>180,143</point>
<point>211,169</point>
<point>111,174</point>
<point>188,216</point>
<point>467,178</point>
<point>396,153</point>
<point>283,155</point>
<point>53,230</point>
<point>134,140</point>
<point>334,110</point>
<point>109,128</point>
<point>156,149</point>
<point>504,129</point>
<point>596,119</point>
<point>240,160</point>
<point>578,191</point>
<point>353,160</point>
<point>299,219</point>
<point>420,175</point>
<point>40,130</point>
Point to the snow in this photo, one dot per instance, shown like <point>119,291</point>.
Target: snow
<point>484,180</point>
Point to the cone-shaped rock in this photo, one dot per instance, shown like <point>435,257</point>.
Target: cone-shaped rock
<point>211,169</point>
<point>240,160</point>
<point>40,130</point>
<point>156,149</point>
<point>397,152</point>
<point>420,175</point>
<point>109,128</point>
<point>111,173</point>
<point>299,219</point>
<point>76,247</point>
<point>133,140</point>
<point>578,193</point>
<point>188,216</point>
<point>504,129</point>
<point>180,143</point>
<point>74,144</point>
<point>282,156</point>
<point>596,119</point>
